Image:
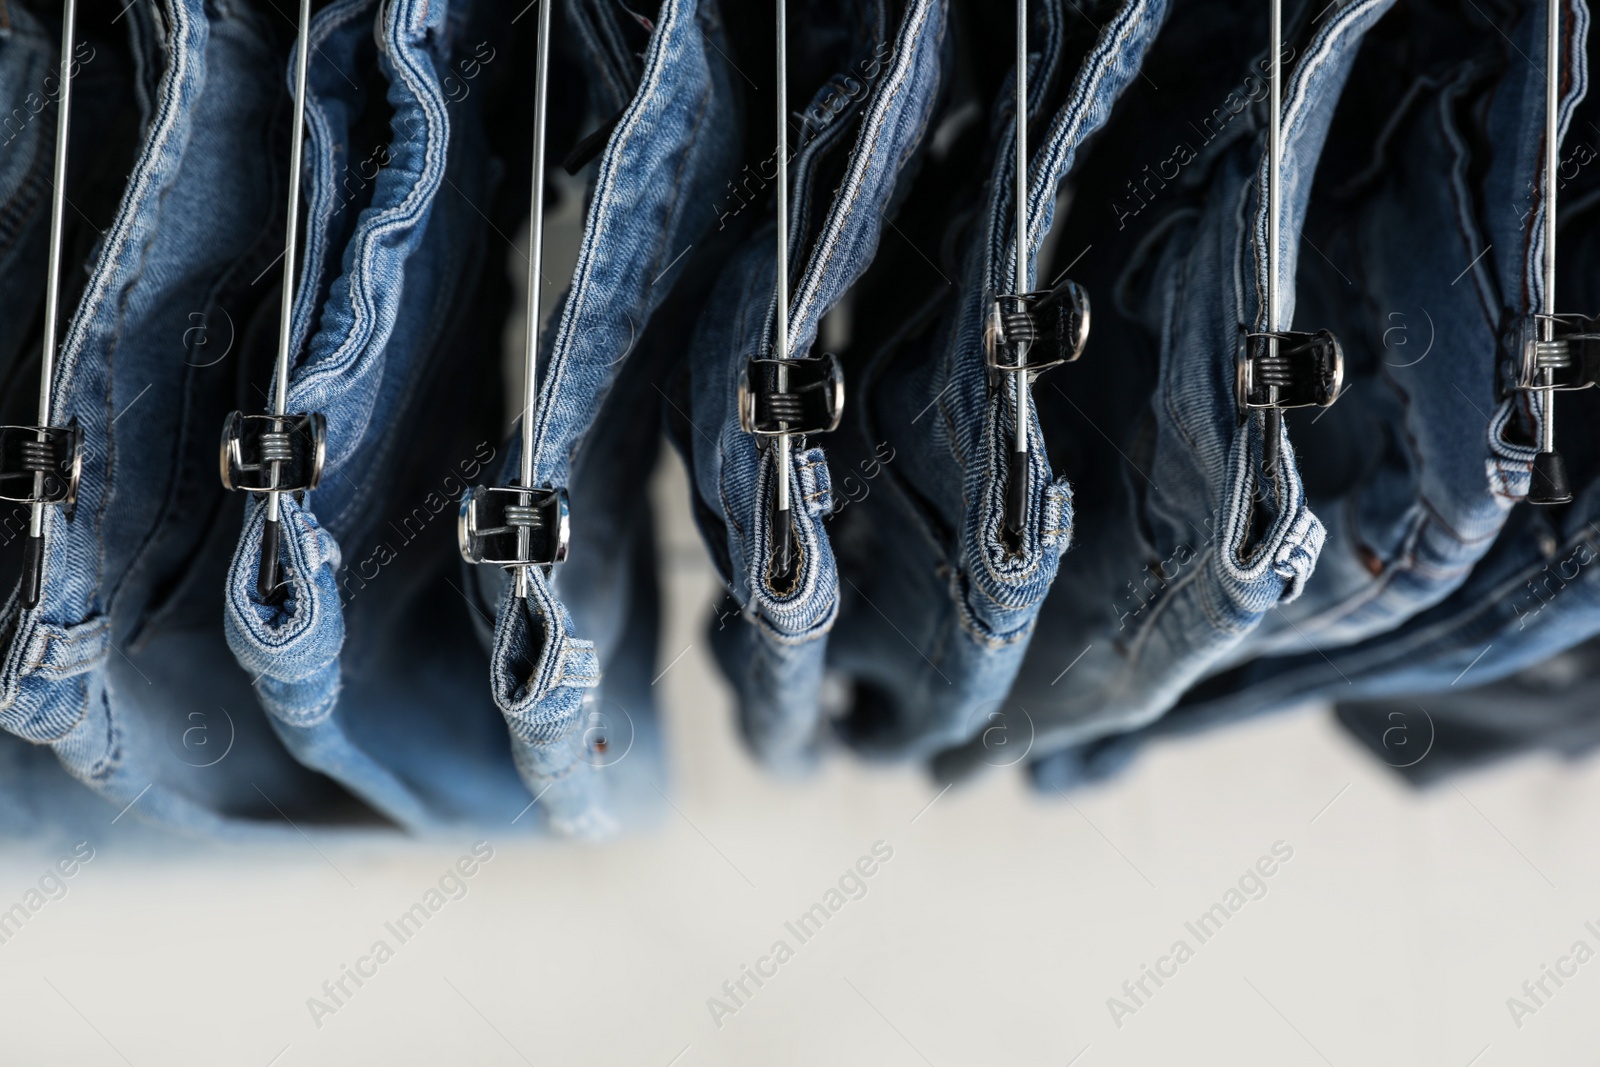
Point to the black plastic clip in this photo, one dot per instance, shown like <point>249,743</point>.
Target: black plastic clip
<point>813,401</point>
<point>40,464</point>
<point>1053,325</point>
<point>273,453</point>
<point>1306,371</point>
<point>492,522</point>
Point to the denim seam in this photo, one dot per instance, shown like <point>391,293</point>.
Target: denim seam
<point>42,648</point>
<point>575,443</point>
<point>108,270</point>
<point>1297,104</point>
<point>1096,69</point>
<point>360,344</point>
<point>600,208</point>
<point>849,195</point>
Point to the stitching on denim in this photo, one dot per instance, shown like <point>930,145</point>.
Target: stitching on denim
<point>359,352</point>
<point>849,194</point>
<point>41,663</point>
<point>1065,135</point>
<point>665,47</point>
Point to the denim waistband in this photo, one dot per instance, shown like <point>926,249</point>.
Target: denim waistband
<point>932,639</point>
<point>775,658</point>
<point>1241,544</point>
<point>178,248</point>
<point>653,195</point>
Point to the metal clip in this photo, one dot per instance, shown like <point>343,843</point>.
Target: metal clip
<point>45,460</point>
<point>808,398</point>
<point>514,527</point>
<point>1036,332</point>
<point>288,449</point>
<point>1301,370</point>
<point>1571,354</point>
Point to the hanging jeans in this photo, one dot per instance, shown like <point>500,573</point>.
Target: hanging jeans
<point>195,226</point>
<point>938,607</point>
<point>653,196</point>
<point>1228,544</point>
<point>1469,465</point>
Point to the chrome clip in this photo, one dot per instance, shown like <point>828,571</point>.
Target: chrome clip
<point>791,396</point>
<point>514,527</point>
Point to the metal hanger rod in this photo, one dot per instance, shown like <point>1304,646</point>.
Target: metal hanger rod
<point>530,385</point>
<point>291,239</point>
<point>52,283</point>
<point>782,348</point>
<point>1021,197</point>
<point>1552,149</point>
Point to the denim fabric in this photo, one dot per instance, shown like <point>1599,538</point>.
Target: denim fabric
<point>775,655</point>
<point>194,227</point>
<point>1534,594</point>
<point>654,194</point>
<point>1432,461</point>
<point>1224,547</point>
<point>28,58</point>
<point>937,609</point>
<point>1548,707</point>
<point>372,718</point>
<point>1432,650</point>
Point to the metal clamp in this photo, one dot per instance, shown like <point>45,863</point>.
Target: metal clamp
<point>1306,371</point>
<point>1048,327</point>
<point>1572,355</point>
<point>811,402</point>
<point>288,449</point>
<point>40,464</point>
<point>491,525</point>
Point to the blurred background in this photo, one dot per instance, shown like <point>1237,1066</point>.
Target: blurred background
<point>1394,928</point>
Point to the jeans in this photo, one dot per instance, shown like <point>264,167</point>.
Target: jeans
<point>653,196</point>
<point>862,125</point>
<point>1224,544</point>
<point>1548,706</point>
<point>359,668</point>
<point>938,608</point>
<point>1439,575</point>
<point>194,226</point>
<point>1419,467</point>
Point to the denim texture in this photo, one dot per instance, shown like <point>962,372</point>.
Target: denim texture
<point>28,58</point>
<point>1238,547</point>
<point>653,195</point>
<point>193,228</point>
<point>1454,458</point>
<point>938,610</point>
<point>349,666</point>
<point>1547,707</point>
<point>774,654</point>
<point>1533,556</point>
